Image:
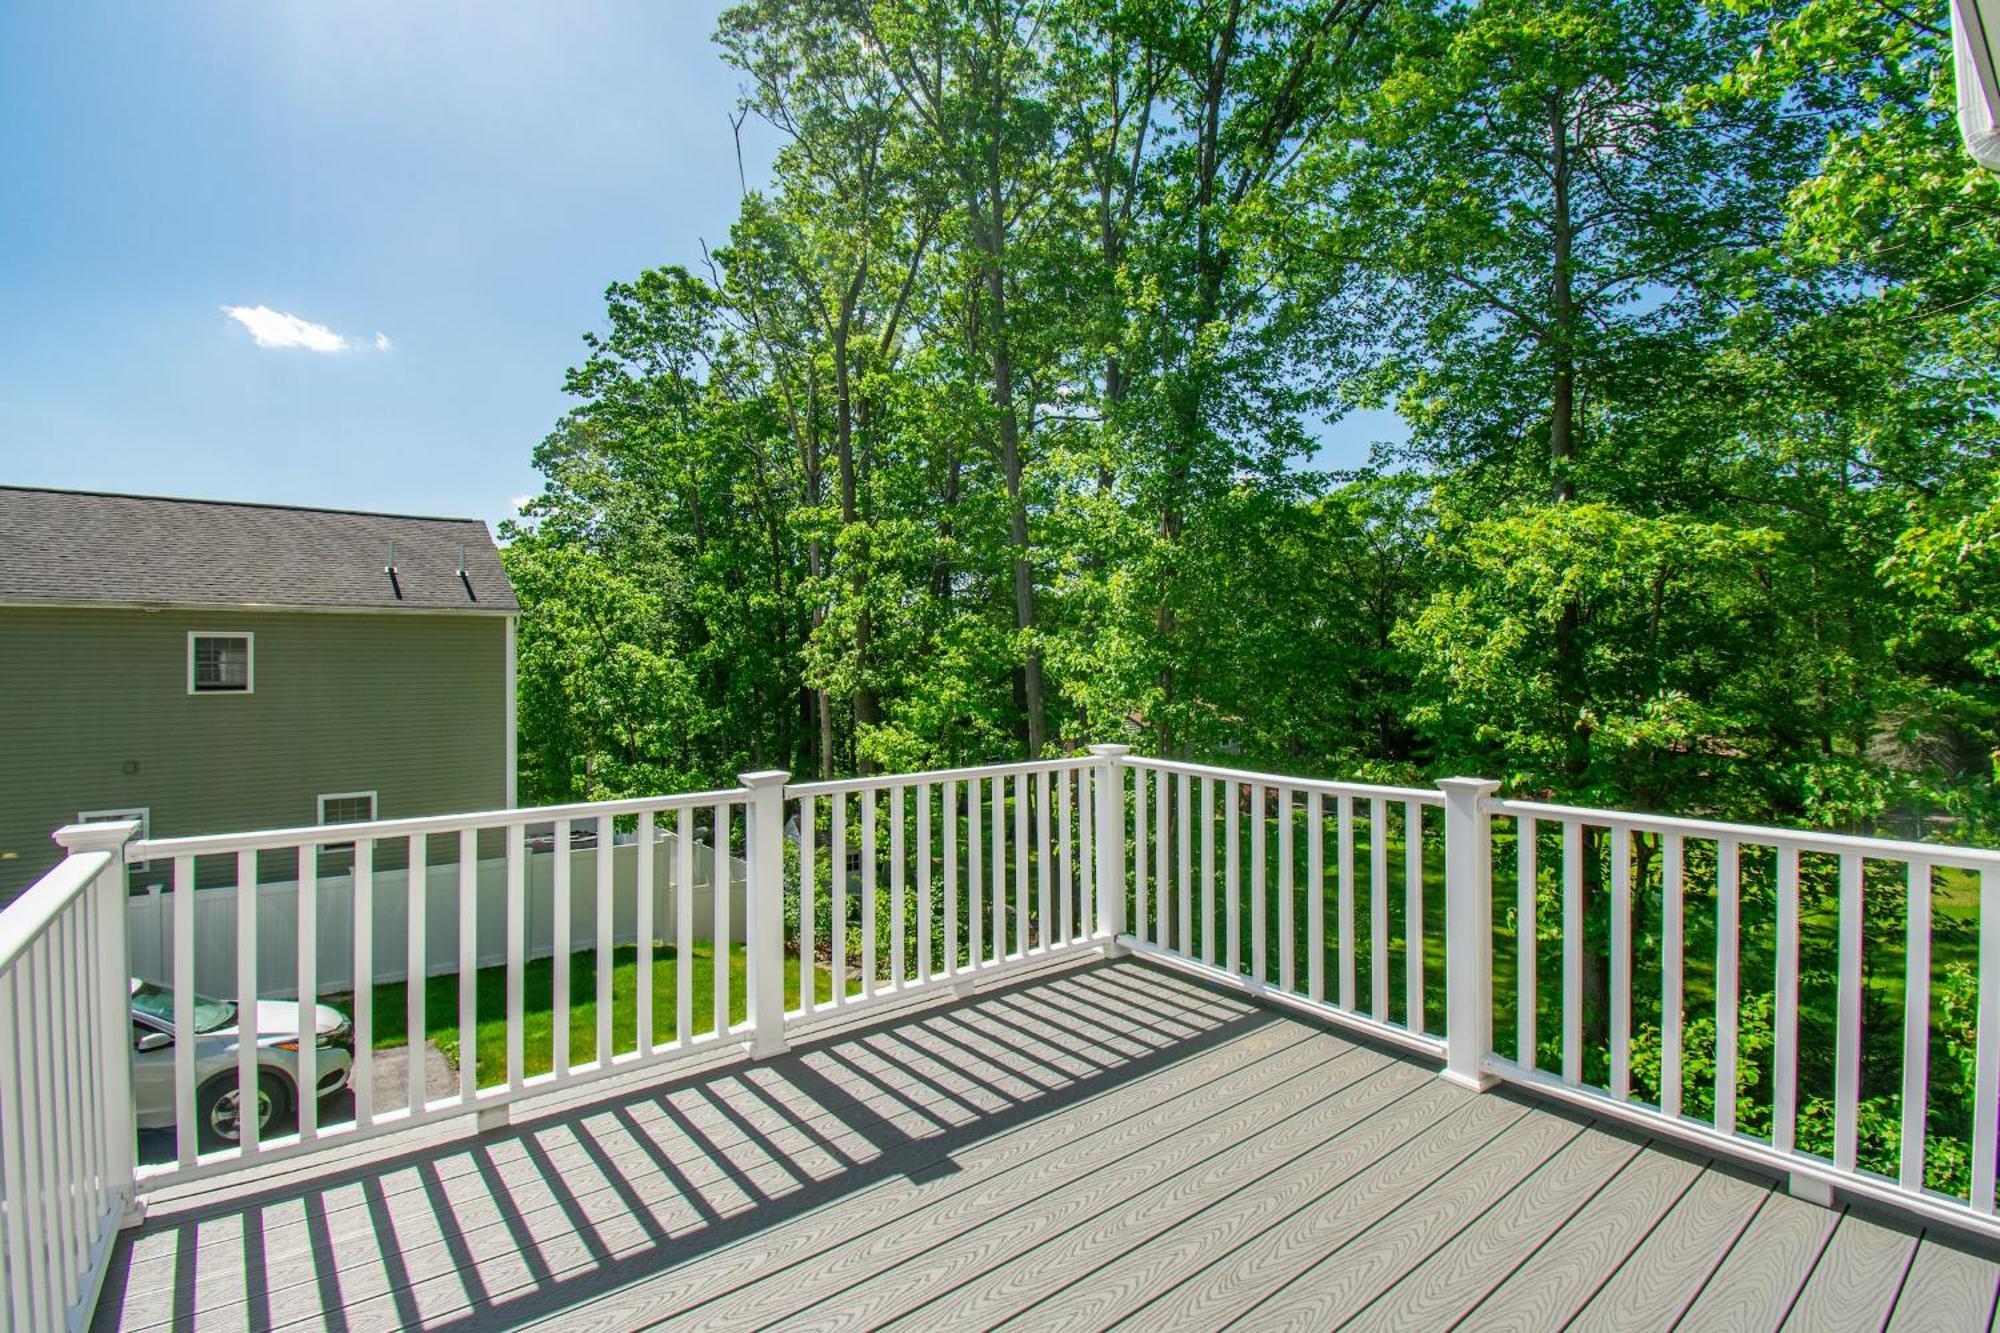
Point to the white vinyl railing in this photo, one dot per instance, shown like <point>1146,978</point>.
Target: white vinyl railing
<point>947,876</point>
<point>1218,879</point>
<point>1676,866</point>
<point>575,1052</point>
<point>1370,906</point>
<point>954,873</point>
<point>1568,855</point>
<point>65,1154</point>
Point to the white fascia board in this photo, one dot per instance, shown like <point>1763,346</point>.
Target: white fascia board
<point>1975,28</point>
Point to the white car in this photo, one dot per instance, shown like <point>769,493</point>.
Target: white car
<point>216,1094</point>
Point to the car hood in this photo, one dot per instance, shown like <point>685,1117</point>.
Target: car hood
<point>280,1018</point>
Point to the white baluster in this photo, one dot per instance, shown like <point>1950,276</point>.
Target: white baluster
<point>1847,1037</point>
<point>1344,809</point>
<point>923,882</point>
<point>1285,890</point>
<point>1572,999</point>
<point>1316,896</point>
<point>1378,908</point>
<point>1259,961</point>
<point>606,903</point>
<point>186,1139</point>
<point>1785,1018</point>
<point>1670,974</point>
<point>415,970</point>
<point>1621,963</point>
<point>468,965</point>
<point>1413,916</point>
<point>559,982</point>
<point>246,1003</point>
<point>1916,1027</point>
<point>869,963</point>
<point>517,950</point>
<point>1727,953</point>
<point>643,930</point>
<point>684,926</point>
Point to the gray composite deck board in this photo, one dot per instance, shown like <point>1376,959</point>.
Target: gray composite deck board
<point>994,1204</point>
<point>1858,1277</point>
<point>1106,1144</point>
<point>1461,1273</point>
<point>1008,1280</point>
<point>1574,1262</point>
<point>702,1171</point>
<point>1339,1285</point>
<point>1665,1272</point>
<point>1126,1273</point>
<point>1234,1277</point>
<point>1767,1267</point>
<point>1949,1285</point>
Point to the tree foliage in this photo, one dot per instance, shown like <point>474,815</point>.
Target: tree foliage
<point>989,429</point>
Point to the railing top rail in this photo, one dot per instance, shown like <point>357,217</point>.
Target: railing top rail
<point>270,839</point>
<point>883,781</point>
<point>24,919</point>
<point>1805,840</point>
<point>1422,795</point>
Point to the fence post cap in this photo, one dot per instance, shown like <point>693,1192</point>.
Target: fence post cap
<point>110,835</point>
<point>1110,751</point>
<point>765,777</point>
<point>1468,786</point>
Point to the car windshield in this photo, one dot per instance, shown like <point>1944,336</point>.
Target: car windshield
<point>157,1003</point>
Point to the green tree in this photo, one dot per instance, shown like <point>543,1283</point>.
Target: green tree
<point>606,706</point>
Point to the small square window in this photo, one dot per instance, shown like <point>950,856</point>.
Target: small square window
<point>220,663</point>
<point>347,807</point>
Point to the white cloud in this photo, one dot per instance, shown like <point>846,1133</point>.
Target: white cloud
<point>521,502</point>
<point>275,328</point>
<point>382,343</point>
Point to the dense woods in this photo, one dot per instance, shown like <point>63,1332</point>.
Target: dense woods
<point>991,431</point>
<point>991,428</point>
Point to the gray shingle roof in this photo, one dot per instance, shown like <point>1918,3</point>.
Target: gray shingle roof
<point>78,548</point>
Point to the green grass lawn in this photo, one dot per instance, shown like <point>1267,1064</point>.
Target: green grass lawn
<point>391,1018</point>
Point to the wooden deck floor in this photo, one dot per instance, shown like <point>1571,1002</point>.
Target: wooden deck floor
<point>1106,1144</point>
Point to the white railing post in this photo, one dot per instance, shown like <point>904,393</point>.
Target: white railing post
<point>764,927</point>
<point>1110,849</point>
<point>113,1004</point>
<point>1468,930</point>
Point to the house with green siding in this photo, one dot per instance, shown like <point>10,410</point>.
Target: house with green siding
<point>205,666</point>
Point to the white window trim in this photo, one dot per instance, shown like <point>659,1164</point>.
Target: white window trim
<point>249,658</point>
<point>374,807</point>
<point>143,814</point>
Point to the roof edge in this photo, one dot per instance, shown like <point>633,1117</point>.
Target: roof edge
<point>249,504</point>
<point>308,608</point>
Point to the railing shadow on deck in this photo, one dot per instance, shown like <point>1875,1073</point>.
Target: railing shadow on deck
<point>898,1097</point>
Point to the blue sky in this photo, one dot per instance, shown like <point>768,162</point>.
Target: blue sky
<point>444,189</point>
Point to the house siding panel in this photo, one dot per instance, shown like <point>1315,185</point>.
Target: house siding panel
<point>408,705</point>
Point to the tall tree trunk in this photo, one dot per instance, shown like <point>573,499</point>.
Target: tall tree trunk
<point>1569,629</point>
<point>993,234</point>
<point>867,707</point>
<point>1562,310</point>
<point>1011,463</point>
<point>1190,402</point>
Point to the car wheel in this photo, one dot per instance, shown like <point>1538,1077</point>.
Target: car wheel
<point>218,1114</point>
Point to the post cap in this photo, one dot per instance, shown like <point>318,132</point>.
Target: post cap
<point>1468,786</point>
<point>1110,751</point>
<point>767,777</point>
<point>109,835</point>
